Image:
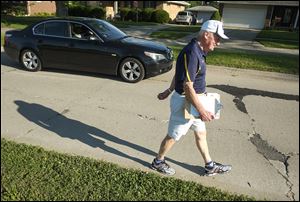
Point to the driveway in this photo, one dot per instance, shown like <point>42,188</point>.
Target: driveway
<point>104,118</point>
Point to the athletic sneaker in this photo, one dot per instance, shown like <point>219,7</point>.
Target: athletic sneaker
<point>162,167</point>
<point>216,168</point>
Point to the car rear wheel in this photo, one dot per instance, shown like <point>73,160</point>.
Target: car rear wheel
<point>131,70</point>
<point>30,60</point>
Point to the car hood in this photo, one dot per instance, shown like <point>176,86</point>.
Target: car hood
<point>144,44</point>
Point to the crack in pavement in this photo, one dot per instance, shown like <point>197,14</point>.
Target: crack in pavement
<point>146,117</point>
<point>271,153</point>
<point>262,146</point>
<point>267,150</point>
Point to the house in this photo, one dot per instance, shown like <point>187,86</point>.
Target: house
<point>111,7</point>
<point>35,7</point>
<point>28,8</point>
<point>260,14</point>
<point>202,13</point>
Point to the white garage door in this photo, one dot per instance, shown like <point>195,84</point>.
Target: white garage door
<point>244,16</point>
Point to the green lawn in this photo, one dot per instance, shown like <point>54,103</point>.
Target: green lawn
<point>274,62</point>
<point>169,34</point>
<point>125,24</point>
<point>31,173</point>
<point>175,32</point>
<point>279,39</point>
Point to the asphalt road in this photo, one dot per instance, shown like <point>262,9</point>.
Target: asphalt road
<point>104,118</point>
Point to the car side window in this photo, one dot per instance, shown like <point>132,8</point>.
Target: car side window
<point>40,29</point>
<point>79,31</point>
<point>57,29</point>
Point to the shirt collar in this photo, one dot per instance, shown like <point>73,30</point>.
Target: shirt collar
<point>194,40</point>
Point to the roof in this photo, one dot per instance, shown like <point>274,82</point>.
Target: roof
<point>275,3</point>
<point>182,3</point>
<point>203,8</point>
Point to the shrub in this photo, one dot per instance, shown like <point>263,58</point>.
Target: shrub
<point>134,14</point>
<point>146,14</point>
<point>216,16</point>
<point>78,10</point>
<point>86,11</point>
<point>123,13</point>
<point>44,14</point>
<point>98,12</point>
<point>160,16</point>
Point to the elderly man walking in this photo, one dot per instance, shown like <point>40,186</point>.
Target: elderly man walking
<point>188,82</point>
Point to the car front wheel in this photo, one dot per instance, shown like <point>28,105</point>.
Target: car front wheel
<point>131,70</point>
<point>30,60</point>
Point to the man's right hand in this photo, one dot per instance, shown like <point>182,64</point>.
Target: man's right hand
<point>206,116</point>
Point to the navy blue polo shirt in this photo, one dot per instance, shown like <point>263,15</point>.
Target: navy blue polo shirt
<point>190,66</point>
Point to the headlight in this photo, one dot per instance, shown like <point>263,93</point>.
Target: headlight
<point>155,56</point>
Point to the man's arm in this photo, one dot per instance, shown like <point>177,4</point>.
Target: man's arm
<point>192,97</point>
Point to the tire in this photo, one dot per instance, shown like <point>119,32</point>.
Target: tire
<point>30,60</point>
<point>131,70</point>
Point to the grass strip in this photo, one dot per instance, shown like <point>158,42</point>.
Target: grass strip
<point>168,34</point>
<point>175,32</point>
<point>274,62</point>
<point>279,39</point>
<point>279,43</point>
<point>32,173</point>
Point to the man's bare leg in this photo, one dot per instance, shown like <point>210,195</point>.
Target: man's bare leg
<point>165,146</point>
<point>200,138</point>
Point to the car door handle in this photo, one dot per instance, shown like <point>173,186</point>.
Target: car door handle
<point>40,40</point>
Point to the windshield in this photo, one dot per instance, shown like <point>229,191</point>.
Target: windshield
<point>106,30</point>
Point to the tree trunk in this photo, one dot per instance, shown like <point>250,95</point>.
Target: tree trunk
<point>61,8</point>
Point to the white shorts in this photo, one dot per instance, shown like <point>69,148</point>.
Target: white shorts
<point>178,125</point>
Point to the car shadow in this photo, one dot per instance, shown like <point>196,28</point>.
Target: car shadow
<point>69,128</point>
<point>9,62</point>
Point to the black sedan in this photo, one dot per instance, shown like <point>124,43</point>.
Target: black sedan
<point>86,44</point>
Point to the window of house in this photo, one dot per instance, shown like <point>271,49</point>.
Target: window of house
<point>287,15</point>
<point>149,4</point>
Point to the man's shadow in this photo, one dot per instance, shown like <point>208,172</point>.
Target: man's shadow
<point>73,129</point>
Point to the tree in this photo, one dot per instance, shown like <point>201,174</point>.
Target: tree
<point>61,8</point>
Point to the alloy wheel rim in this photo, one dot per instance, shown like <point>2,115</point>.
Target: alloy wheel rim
<point>30,60</point>
<point>131,71</point>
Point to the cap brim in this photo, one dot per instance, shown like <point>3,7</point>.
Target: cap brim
<point>223,36</point>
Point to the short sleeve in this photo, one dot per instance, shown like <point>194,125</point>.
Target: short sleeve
<point>190,65</point>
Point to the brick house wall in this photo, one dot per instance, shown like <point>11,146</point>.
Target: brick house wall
<point>172,9</point>
<point>34,7</point>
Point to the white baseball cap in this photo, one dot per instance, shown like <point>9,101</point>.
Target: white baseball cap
<point>214,26</point>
